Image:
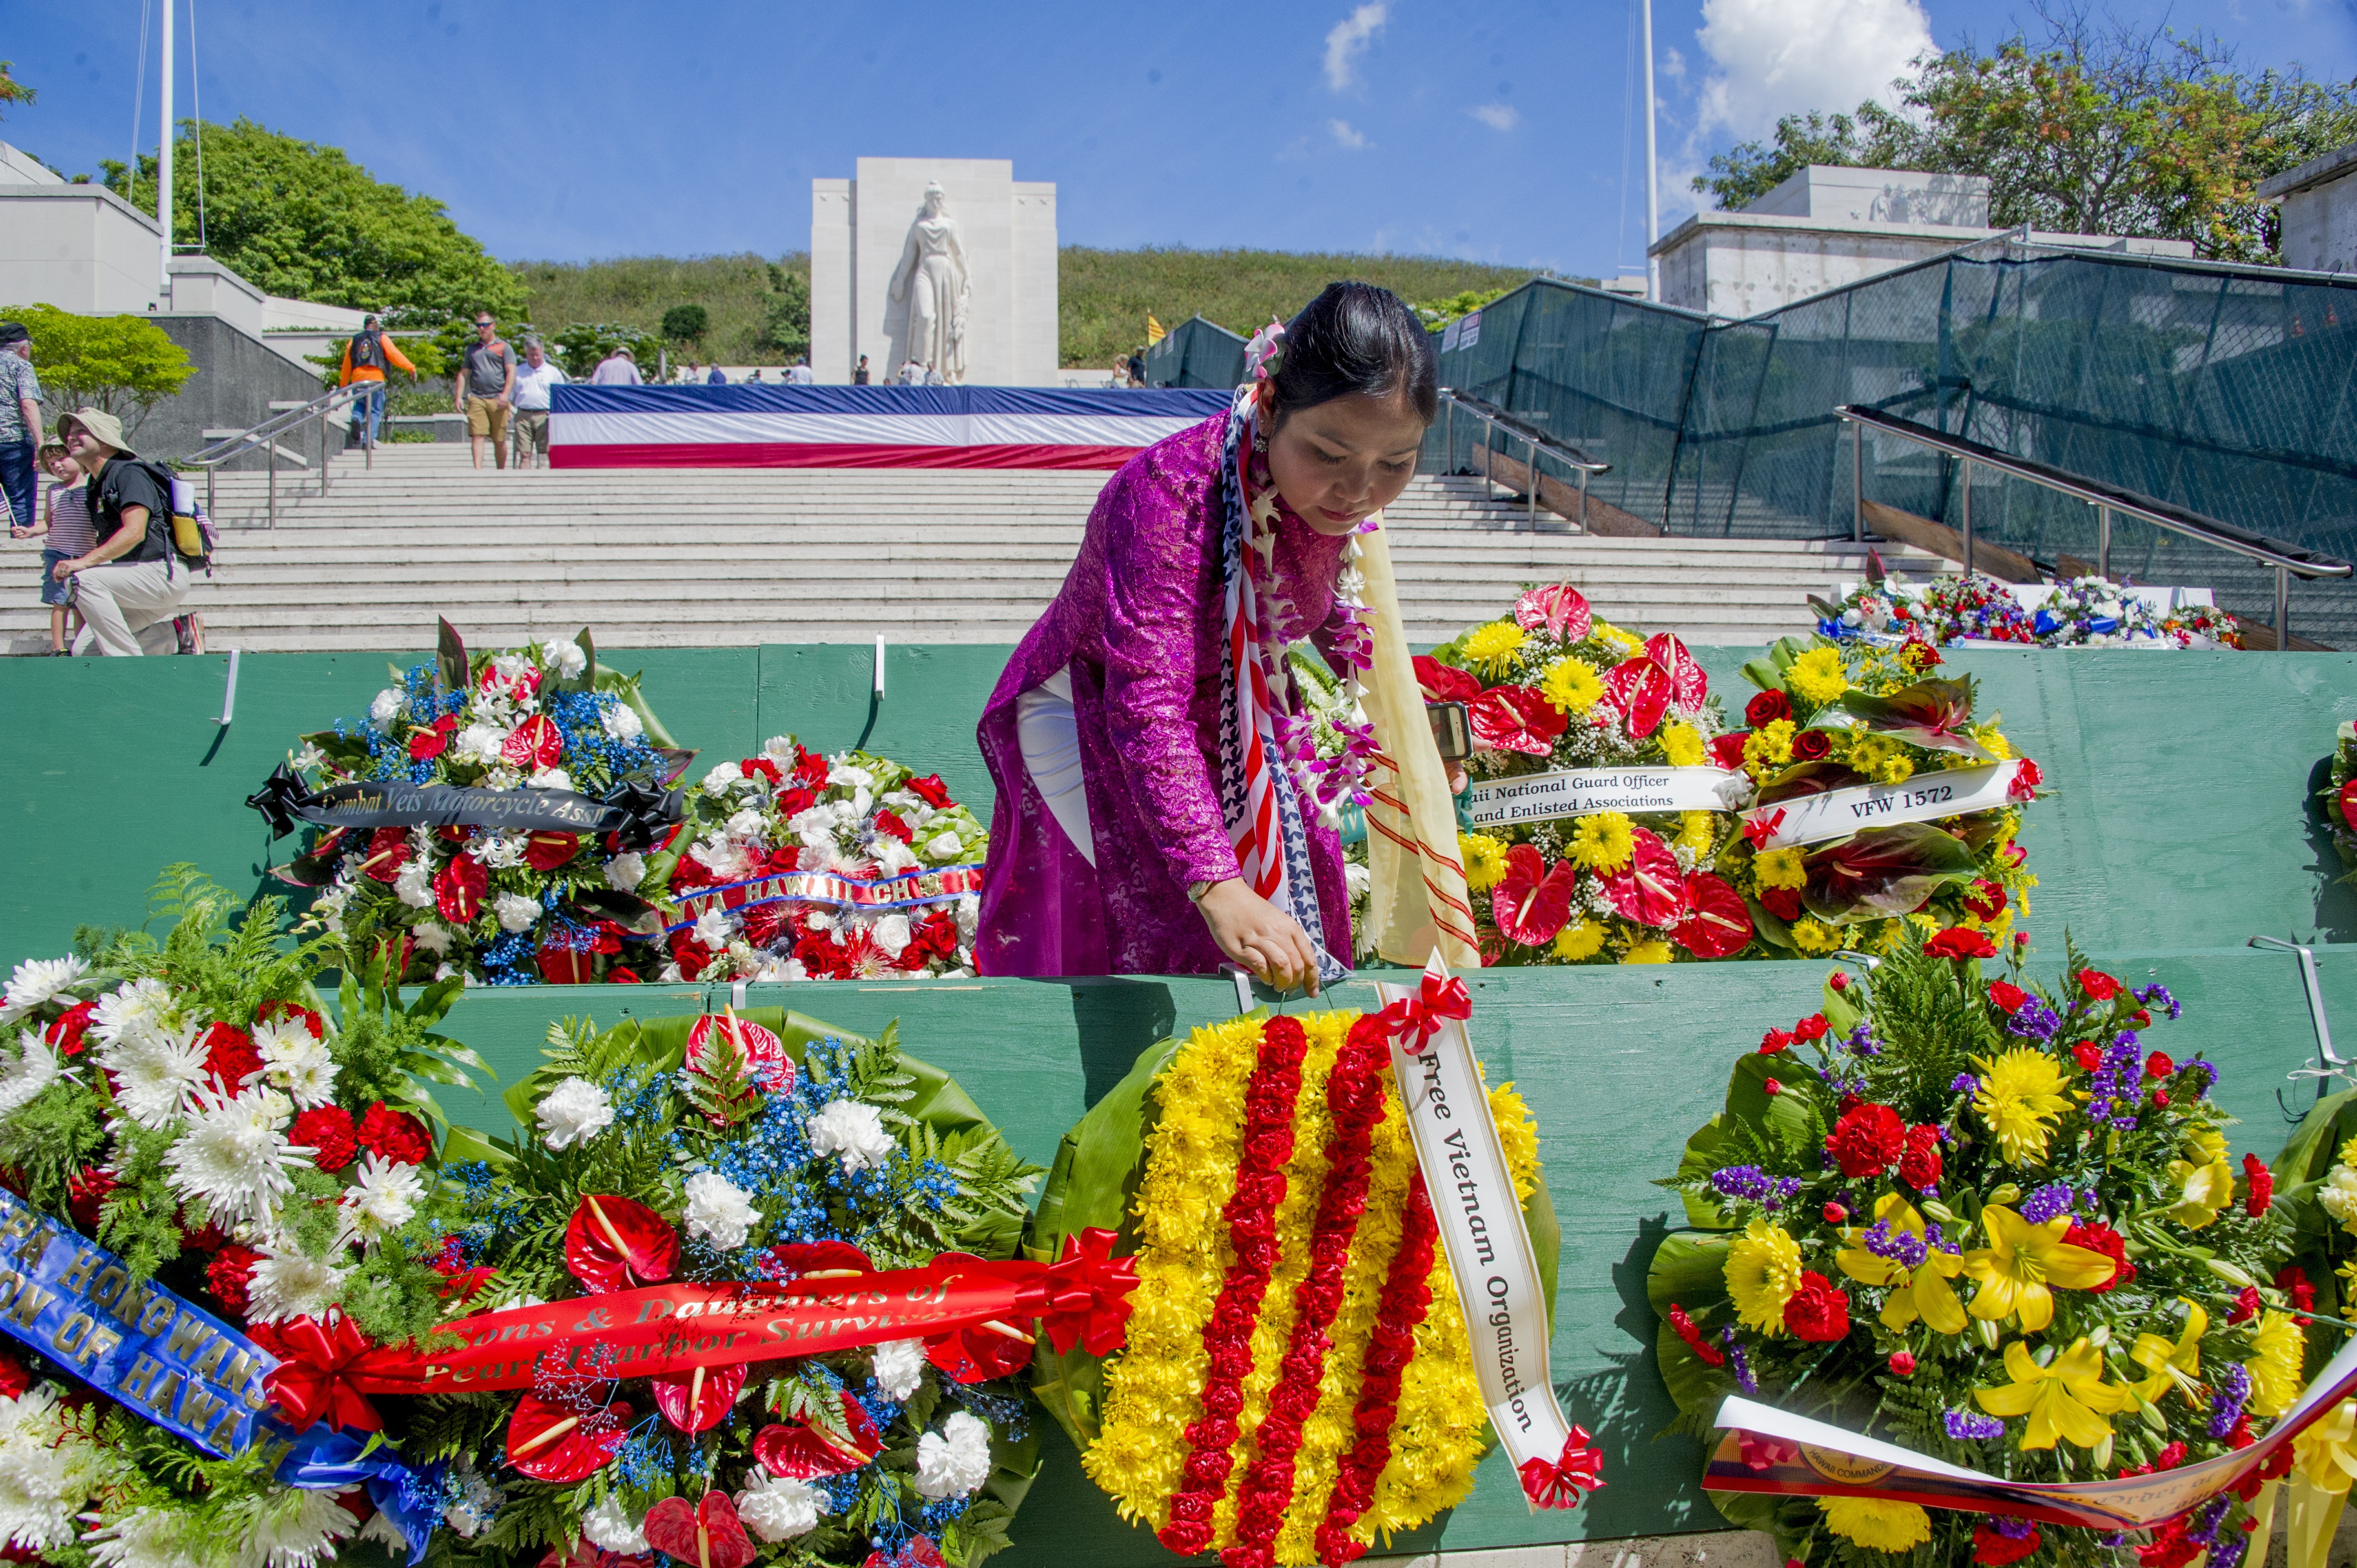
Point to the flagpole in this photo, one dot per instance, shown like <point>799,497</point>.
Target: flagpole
<point>1653,171</point>
<point>164,169</point>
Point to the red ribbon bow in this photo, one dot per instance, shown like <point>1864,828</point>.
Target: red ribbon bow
<point>1558,1485</point>
<point>312,1384</point>
<point>1417,1018</point>
<point>1088,1294</point>
<point>1760,829</point>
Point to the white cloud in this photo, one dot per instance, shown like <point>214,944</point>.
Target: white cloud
<point>1345,136</point>
<point>1349,40</point>
<point>1772,58</point>
<point>1673,65</point>
<point>1497,116</point>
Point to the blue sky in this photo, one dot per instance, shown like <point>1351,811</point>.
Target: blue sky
<point>1504,132</point>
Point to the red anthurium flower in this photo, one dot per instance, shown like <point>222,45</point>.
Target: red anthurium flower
<point>1443,683</point>
<point>1532,903</point>
<point>764,1052</point>
<point>458,889</point>
<point>1643,687</point>
<point>1717,923</point>
<point>700,1398</point>
<point>613,1243</point>
<point>1726,750</point>
<point>535,743</point>
<point>799,1451</point>
<point>708,1534</point>
<point>1650,889</point>
<point>388,852</point>
<point>554,1443</point>
<point>2349,803</point>
<point>978,1355</point>
<point>1561,608</point>
<point>1515,718</point>
<point>545,851</point>
<point>565,966</point>
<point>428,744</point>
<point>1959,942</point>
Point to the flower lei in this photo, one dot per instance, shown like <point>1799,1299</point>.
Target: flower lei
<point>1297,1378</point>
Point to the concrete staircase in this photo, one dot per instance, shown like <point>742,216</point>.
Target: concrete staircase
<point>733,557</point>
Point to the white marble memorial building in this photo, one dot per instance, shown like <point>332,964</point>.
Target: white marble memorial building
<point>947,261</point>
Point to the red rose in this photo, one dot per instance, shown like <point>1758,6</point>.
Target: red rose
<point>1836,1214</point>
<point>1784,902</point>
<point>1817,1313</point>
<point>327,1129</point>
<point>811,769</point>
<point>2008,998</point>
<point>2104,1239</point>
<point>1726,750</point>
<point>2259,1187</point>
<point>86,1192</point>
<point>891,823</point>
<point>1811,745</point>
<point>2157,1065</point>
<point>2088,1055</point>
<point>2026,780</point>
<point>2099,987</point>
<point>760,768</point>
<point>1867,1140</point>
<point>1959,942</point>
<point>930,790</point>
<point>1918,1163</point>
<point>395,1134</point>
<point>1772,1088</point>
<point>231,1274</point>
<point>1986,899</point>
<point>230,1056</point>
<point>1767,708</point>
<point>1994,1550</point>
<point>458,889</point>
<point>693,956</point>
<point>1811,1027</point>
<point>65,1033</point>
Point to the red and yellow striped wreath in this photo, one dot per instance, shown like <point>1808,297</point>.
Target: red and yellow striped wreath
<point>1297,1378</point>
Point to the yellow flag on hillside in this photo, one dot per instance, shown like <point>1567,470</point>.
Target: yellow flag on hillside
<point>1155,330</point>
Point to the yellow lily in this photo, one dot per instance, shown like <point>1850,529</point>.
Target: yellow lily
<point>2209,1188</point>
<point>2068,1399</point>
<point>2019,1264</point>
<point>2158,1356</point>
<point>1921,1292</point>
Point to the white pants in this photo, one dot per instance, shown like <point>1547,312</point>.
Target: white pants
<point>129,609</point>
<point>1050,738</point>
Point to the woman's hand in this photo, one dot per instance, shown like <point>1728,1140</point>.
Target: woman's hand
<point>1259,936</point>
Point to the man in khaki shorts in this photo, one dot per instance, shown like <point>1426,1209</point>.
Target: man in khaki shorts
<point>486,390</point>
<point>530,424</point>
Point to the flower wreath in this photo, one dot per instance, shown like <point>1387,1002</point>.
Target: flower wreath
<point>1297,1378</point>
<point>499,906</point>
<point>1984,1221</point>
<point>793,866</point>
<point>2338,799</point>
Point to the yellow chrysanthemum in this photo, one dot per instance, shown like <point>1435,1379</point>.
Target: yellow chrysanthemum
<point>2348,1156</point>
<point>1817,675</point>
<point>1813,936</point>
<point>1652,951</point>
<point>1697,830</point>
<point>1579,940</point>
<point>1496,649</point>
<point>2280,1350</point>
<point>1484,859</point>
<point>1993,741</point>
<point>2022,1095</point>
<point>1623,643</point>
<point>1681,744</point>
<point>1603,842</point>
<point>1770,746</point>
<point>1571,686</point>
<point>1876,1525</point>
<point>1763,1269</point>
<point>1896,768</point>
<point>1780,868</point>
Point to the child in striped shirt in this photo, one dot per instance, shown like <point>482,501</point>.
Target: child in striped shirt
<point>65,528</point>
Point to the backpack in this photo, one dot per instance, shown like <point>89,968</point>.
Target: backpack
<point>367,350</point>
<point>192,537</point>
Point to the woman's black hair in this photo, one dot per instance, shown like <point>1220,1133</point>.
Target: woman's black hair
<point>1356,340</point>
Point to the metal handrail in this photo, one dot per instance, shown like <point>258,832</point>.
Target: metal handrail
<point>2106,498</point>
<point>264,437</point>
<point>1498,422</point>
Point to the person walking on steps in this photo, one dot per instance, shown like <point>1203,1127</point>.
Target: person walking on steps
<point>20,421</point>
<point>128,587</point>
<point>530,426</point>
<point>366,355</point>
<point>486,390</point>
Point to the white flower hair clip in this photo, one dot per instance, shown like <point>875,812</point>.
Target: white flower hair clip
<point>1265,355</point>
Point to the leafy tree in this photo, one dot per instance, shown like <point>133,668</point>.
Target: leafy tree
<point>10,90</point>
<point>293,218</point>
<point>123,365</point>
<point>685,323</point>
<point>786,326</point>
<point>579,347</point>
<point>2092,130</point>
<point>1438,313</point>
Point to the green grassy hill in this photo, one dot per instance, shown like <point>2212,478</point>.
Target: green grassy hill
<point>1105,294</point>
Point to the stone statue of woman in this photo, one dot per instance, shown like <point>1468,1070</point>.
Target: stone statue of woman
<point>933,278</point>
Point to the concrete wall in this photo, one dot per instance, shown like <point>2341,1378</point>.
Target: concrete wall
<point>1880,196</point>
<point>237,378</point>
<point>77,247</point>
<point>203,286</point>
<point>834,289</point>
<point>2320,227</point>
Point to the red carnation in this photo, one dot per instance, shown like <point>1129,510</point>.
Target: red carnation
<point>2104,1239</point>
<point>1726,750</point>
<point>329,1130</point>
<point>1959,942</point>
<point>86,1192</point>
<point>65,1033</point>
<point>1773,1041</point>
<point>1767,708</point>
<point>2292,1280</point>
<point>1811,1027</point>
<point>2008,998</point>
<point>1784,902</point>
<point>395,1134</point>
<point>930,790</point>
<point>1867,1140</point>
<point>2099,987</point>
<point>1918,1163</point>
<point>1995,1550</point>
<point>2026,780</point>
<point>15,1377</point>
<point>1817,1313</point>
<point>231,1274</point>
<point>230,1056</point>
<point>309,1017</point>
<point>760,768</point>
<point>891,823</point>
<point>2088,1055</point>
<point>2246,1304</point>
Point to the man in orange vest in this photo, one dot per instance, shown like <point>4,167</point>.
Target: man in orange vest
<point>366,355</point>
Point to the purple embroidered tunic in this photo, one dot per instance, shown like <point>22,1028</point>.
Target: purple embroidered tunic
<point>1138,624</point>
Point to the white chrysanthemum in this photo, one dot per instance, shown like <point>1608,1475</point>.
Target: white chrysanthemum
<point>853,1129</point>
<point>719,1211</point>
<point>47,1473</point>
<point>776,1509</point>
<point>146,1537</point>
<point>156,1073</point>
<point>727,776</point>
<point>36,981</point>
<point>891,933</point>
<point>232,1155</point>
<point>2338,1194</point>
<point>135,1007</point>
<point>289,1284</point>
<point>550,778</point>
<point>383,1195</point>
<point>296,1062</point>
<point>610,1528</point>
<point>386,709</point>
<point>516,912</point>
<point>626,871</point>
<point>413,883</point>
<point>473,1502</point>
<point>435,939</point>
<point>291,1527</point>
<point>955,1460</point>
<point>715,926</point>
<point>944,847</point>
<point>620,720</point>
<point>899,1366</point>
<point>564,657</point>
<point>479,743</point>
<point>499,852</point>
<point>29,1074</point>
<point>893,857</point>
<point>573,1113</point>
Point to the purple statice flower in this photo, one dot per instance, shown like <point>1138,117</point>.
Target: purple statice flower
<point>2090,1202</point>
<point>2011,1528</point>
<point>2159,993</point>
<point>2203,1526</point>
<point>1862,1042</point>
<point>2228,1553</point>
<point>1780,1191</point>
<point>2047,1201</point>
<point>1748,1182</point>
<point>2034,1020</point>
<point>2229,1390</point>
<point>1737,1362</point>
<point>1904,1248</point>
<point>1967,1427</point>
<point>2112,1093</point>
<point>1964,1083</point>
